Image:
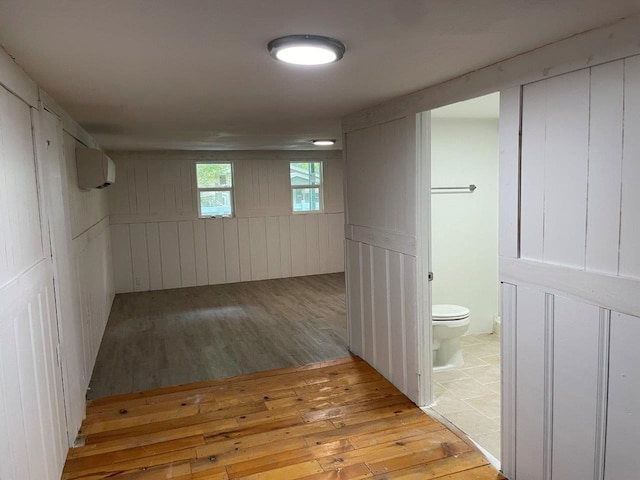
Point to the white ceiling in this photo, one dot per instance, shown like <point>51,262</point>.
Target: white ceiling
<point>195,74</point>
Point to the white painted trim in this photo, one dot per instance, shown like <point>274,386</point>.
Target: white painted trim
<point>615,293</point>
<point>547,438</point>
<point>603,392</point>
<point>423,256</point>
<point>396,242</point>
<point>16,81</point>
<point>593,47</point>
<point>228,155</point>
<point>508,391</point>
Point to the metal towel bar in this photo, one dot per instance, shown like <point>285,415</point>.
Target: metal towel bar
<point>466,189</point>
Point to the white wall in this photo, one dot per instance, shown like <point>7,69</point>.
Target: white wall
<point>464,226</point>
<point>46,349</point>
<point>571,309</point>
<point>576,283</point>
<point>159,242</point>
<point>381,250</point>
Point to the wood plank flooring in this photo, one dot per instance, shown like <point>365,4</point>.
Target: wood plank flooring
<point>331,420</point>
<point>171,337</point>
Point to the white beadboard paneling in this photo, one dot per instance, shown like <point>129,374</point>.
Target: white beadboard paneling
<point>630,218</point>
<point>121,251</point>
<point>285,245</point>
<point>19,213</point>
<point>141,187</point>
<point>200,244</point>
<point>354,291</point>
<point>169,254</point>
<point>508,420</point>
<point>368,323</point>
<point>298,245</point>
<point>530,383</point>
<point>244,249</point>
<point>216,247</point>
<point>155,259</point>
<point>370,151</point>
<point>566,154</point>
<point>274,263</point>
<point>605,165</point>
<point>332,177</point>
<point>575,388</point>
<point>159,188</point>
<point>187,254</point>
<point>534,104</point>
<point>139,257</point>
<point>312,243</point>
<point>396,319</point>
<point>411,324</point>
<point>323,244</point>
<point>13,403</point>
<point>27,371</point>
<point>258,248</point>
<point>623,414</point>
<point>381,319</point>
<point>509,131</point>
<point>336,242</point>
<point>231,250</point>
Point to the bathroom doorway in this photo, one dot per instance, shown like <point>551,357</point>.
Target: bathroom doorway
<point>465,330</point>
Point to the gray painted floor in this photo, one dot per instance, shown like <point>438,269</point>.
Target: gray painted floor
<point>171,337</point>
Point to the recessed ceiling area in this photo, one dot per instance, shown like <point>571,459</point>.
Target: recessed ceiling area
<point>196,74</point>
<point>485,107</point>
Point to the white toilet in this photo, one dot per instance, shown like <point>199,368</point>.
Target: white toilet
<point>450,322</point>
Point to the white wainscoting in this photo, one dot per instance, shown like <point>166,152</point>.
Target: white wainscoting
<point>153,256</point>
<point>576,392</point>
<point>33,428</point>
<point>382,312</point>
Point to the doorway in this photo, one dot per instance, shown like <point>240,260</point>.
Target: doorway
<point>465,305</point>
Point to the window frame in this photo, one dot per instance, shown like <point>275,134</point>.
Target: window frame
<point>320,188</point>
<point>215,189</point>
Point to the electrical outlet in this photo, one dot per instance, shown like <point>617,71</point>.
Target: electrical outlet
<point>138,282</point>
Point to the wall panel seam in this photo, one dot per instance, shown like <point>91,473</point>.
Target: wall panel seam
<point>602,401</point>
<point>549,321</point>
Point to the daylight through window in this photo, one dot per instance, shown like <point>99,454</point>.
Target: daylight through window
<point>306,186</point>
<point>215,189</point>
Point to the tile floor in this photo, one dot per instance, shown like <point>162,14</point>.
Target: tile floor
<point>469,397</point>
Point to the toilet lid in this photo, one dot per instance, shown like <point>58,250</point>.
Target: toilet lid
<point>449,312</point>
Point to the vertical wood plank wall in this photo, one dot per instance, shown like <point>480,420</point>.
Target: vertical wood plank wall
<point>32,424</point>
<point>159,242</point>
<point>381,250</point>
<point>576,392</point>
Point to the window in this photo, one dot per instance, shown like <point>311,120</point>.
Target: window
<point>215,189</point>
<point>306,186</point>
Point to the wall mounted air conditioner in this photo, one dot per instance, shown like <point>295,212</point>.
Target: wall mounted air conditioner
<point>95,169</point>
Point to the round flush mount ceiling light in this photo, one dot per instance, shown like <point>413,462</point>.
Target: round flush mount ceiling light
<point>306,49</point>
<point>325,142</point>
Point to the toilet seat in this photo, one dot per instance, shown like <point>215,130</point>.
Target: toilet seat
<point>447,312</point>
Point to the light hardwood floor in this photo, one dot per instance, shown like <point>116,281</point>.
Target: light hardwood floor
<point>171,337</point>
<point>333,420</point>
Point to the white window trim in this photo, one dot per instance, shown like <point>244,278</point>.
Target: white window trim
<point>215,189</point>
<point>320,188</point>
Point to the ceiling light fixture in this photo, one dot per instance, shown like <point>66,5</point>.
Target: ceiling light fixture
<point>323,142</point>
<point>306,49</point>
